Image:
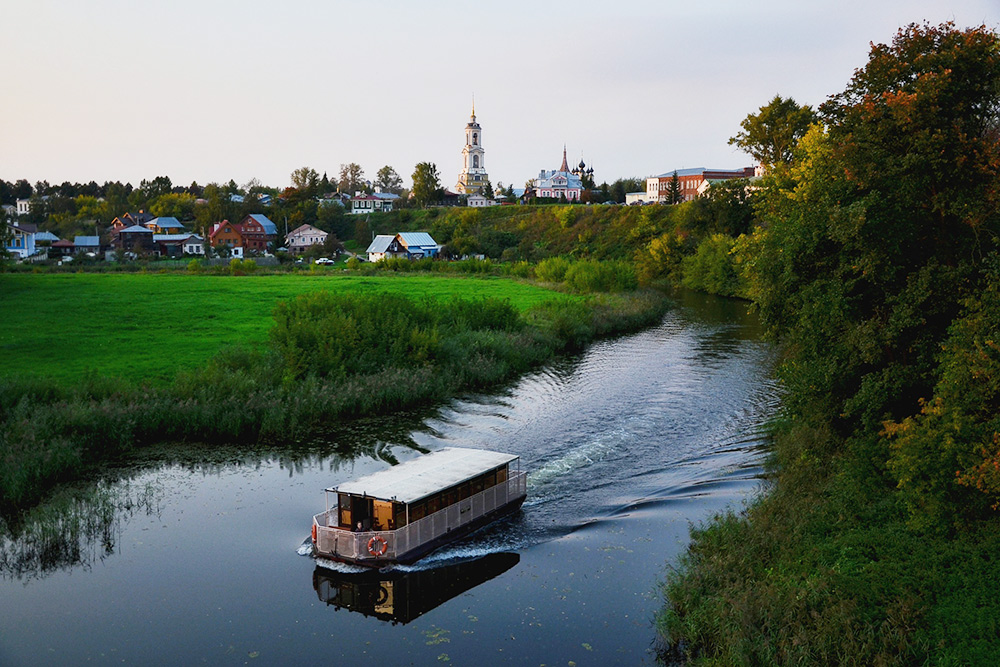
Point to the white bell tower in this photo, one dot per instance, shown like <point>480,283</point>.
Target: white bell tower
<point>473,176</point>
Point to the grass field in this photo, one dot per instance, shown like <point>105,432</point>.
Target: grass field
<point>146,327</point>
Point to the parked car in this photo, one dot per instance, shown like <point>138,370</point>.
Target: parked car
<point>324,260</point>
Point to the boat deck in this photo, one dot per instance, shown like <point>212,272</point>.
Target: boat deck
<point>405,544</point>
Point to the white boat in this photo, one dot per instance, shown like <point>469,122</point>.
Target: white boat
<point>405,512</point>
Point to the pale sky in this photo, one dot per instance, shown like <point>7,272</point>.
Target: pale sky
<point>212,90</point>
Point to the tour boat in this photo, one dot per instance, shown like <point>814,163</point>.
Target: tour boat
<point>405,512</point>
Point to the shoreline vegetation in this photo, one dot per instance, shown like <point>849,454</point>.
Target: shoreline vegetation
<point>328,356</point>
<point>876,265</point>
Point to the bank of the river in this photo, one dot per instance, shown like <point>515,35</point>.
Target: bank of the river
<point>877,264</point>
<point>331,356</point>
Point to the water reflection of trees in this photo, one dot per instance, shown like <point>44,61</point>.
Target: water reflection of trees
<point>82,524</point>
<point>75,528</point>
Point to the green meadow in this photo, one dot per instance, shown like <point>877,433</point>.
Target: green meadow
<point>146,327</point>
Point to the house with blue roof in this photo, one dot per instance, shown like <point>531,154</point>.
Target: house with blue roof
<point>165,225</point>
<point>418,244</point>
<point>270,229</point>
<point>87,244</point>
<point>411,245</point>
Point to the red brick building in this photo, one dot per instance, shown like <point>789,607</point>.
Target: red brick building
<point>693,182</point>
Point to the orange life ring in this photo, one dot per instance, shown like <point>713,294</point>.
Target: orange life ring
<point>377,546</point>
<point>314,533</point>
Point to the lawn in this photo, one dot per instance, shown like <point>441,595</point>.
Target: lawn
<point>149,326</point>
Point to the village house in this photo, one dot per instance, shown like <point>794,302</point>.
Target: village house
<point>87,244</point>
<point>22,239</point>
<point>247,236</point>
<point>410,245</point>
<point>362,203</point>
<point>384,245</point>
<point>129,219</point>
<point>270,229</point>
<point>303,237</point>
<point>479,201</point>
<point>194,245</point>
<point>136,239</point>
<point>165,225</point>
<point>177,245</point>
<point>63,248</point>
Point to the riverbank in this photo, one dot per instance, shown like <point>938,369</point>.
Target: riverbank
<point>328,358</point>
<point>877,544</point>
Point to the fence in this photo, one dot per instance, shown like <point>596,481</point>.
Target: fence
<point>392,544</point>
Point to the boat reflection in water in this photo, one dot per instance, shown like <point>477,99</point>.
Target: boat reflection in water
<point>402,595</point>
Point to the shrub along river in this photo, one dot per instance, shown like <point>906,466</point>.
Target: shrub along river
<point>179,560</point>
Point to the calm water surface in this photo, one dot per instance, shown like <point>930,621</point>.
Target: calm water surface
<point>184,561</point>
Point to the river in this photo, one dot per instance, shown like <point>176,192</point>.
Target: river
<point>182,559</point>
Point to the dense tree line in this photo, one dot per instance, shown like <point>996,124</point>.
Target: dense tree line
<point>876,263</point>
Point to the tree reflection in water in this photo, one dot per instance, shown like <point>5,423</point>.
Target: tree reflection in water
<point>75,528</point>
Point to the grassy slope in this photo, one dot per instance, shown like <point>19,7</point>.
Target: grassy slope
<point>147,326</point>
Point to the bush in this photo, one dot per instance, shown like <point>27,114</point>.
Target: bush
<point>711,269</point>
<point>552,270</point>
<point>593,276</point>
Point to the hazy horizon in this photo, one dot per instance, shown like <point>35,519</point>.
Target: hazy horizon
<point>211,91</point>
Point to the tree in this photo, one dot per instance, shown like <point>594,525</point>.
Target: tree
<point>306,181</point>
<point>488,189</point>
<point>22,189</point>
<point>352,178</point>
<point>770,136</point>
<point>155,188</point>
<point>387,180</point>
<point>426,183</point>
<point>886,234</point>
<point>674,195</point>
<point>180,206</point>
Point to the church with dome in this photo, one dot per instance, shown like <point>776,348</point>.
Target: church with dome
<point>473,177</point>
<point>562,183</point>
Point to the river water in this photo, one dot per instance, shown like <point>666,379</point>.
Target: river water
<point>185,560</point>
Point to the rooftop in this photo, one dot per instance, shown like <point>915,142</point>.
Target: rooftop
<point>423,476</point>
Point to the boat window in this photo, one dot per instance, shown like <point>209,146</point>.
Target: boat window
<point>399,514</point>
<point>491,479</point>
<point>465,491</point>
<point>502,475</point>
<point>477,485</point>
<point>433,503</point>
<point>451,496</point>
<point>344,503</point>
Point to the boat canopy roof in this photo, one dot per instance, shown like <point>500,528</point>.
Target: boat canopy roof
<point>410,481</point>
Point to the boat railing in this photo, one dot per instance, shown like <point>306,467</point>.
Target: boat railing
<point>391,544</point>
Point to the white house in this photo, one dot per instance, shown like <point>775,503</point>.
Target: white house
<point>302,237</point>
<point>361,203</point>
<point>479,201</point>
<point>384,245</point>
<point>194,245</point>
<point>23,206</point>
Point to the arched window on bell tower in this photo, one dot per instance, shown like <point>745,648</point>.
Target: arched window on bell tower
<point>475,162</point>
<point>475,139</point>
